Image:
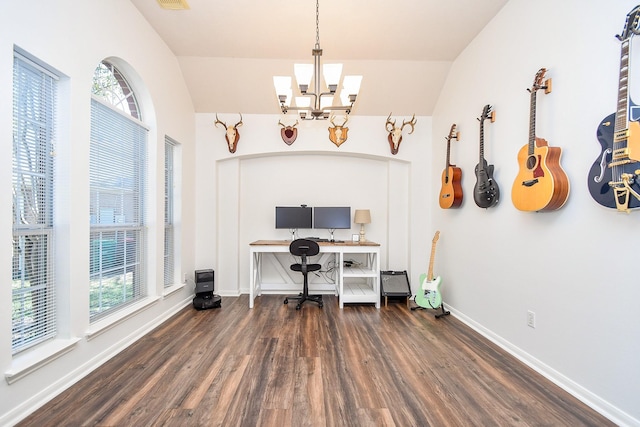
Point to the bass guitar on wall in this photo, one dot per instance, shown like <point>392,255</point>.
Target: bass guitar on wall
<point>541,183</point>
<point>486,192</point>
<point>451,189</point>
<point>613,179</point>
<point>428,295</point>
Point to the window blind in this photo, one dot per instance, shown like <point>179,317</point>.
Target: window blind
<point>117,187</point>
<point>33,280</point>
<point>169,240</point>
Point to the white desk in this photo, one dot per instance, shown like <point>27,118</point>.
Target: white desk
<point>357,284</point>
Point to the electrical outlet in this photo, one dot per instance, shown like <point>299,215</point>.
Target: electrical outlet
<point>531,319</point>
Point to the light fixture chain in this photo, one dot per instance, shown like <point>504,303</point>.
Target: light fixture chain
<point>317,24</point>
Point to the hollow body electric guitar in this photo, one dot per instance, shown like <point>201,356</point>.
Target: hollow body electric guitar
<point>428,295</point>
<point>485,192</point>
<point>451,189</point>
<point>613,179</point>
<point>541,183</point>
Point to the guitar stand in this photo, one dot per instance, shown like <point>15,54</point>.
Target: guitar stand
<point>439,315</point>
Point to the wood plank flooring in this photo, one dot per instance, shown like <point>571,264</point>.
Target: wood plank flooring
<point>275,366</point>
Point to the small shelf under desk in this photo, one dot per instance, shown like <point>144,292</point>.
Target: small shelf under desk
<point>358,283</point>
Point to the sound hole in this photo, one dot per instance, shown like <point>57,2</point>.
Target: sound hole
<point>531,162</point>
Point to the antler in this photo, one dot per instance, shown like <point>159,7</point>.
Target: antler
<point>393,125</point>
<point>285,126</point>
<point>239,123</point>
<point>218,121</point>
<point>411,123</point>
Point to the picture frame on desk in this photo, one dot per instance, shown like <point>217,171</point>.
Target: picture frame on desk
<point>355,238</point>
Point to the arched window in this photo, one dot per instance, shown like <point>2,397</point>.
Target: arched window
<point>117,170</point>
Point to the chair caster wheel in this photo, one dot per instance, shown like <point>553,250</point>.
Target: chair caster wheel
<point>298,307</point>
<point>286,300</point>
<point>320,305</point>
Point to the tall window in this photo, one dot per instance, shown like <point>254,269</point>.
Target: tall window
<point>169,240</point>
<point>33,286</point>
<point>117,185</point>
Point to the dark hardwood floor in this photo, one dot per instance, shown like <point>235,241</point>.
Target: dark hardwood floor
<point>275,366</point>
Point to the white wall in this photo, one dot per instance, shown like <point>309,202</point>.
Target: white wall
<point>73,37</point>
<point>575,267</point>
<point>238,192</point>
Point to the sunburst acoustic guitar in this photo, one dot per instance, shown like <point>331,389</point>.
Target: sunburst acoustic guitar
<point>541,183</point>
<point>451,188</point>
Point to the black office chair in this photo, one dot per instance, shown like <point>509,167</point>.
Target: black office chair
<point>304,248</point>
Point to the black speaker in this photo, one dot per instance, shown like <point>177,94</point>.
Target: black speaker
<point>204,281</point>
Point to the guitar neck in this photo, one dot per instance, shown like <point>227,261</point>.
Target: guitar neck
<point>532,121</point>
<point>481,160</point>
<point>623,90</point>
<point>433,253</point>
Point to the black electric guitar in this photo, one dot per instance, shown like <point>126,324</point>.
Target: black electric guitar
<point>613,179</point>
<point>486,192</point>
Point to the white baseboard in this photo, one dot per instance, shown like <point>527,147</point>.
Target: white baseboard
<point>45,395</point>
<point>590,399</point>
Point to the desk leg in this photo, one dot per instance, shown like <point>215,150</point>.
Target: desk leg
<point>255,279</point>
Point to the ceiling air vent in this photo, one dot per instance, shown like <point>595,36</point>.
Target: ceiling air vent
<point>174,4</point>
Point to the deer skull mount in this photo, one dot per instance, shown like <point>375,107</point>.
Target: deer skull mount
<point>288,133</point>
<point>395,132</point>
<point>338,133</point>
<point>232,135</point>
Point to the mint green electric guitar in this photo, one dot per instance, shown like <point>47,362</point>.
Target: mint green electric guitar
<point>428,295</point>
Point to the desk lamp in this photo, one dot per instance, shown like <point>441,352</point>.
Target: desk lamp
<point>362,217</point>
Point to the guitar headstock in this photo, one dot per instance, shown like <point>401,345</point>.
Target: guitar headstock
<point>436,237</point>
<point>631,26</point>
<point>487,113</point>
<point>453,133</point>
<point>538,82</point>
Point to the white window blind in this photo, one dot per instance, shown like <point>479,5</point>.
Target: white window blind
<point>32,284</point>
<point>169,240</point>
<point>117,208</point>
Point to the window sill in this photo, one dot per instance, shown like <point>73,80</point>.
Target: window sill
<point>172,289</point>
<point>104,325</point>
<point>24,364</point>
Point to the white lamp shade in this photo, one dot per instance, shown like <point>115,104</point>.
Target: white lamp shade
<point>362,216</point>
<point>351,84</point>
<point>326,101</point>
<point>282,84</point>
<point>303,101</point>
<point>332,73</point>
<point>303,73</point>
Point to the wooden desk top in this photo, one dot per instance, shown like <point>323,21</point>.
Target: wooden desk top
<point>288,242</point>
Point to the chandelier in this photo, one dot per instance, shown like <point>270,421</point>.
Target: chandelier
<point>317,105</point>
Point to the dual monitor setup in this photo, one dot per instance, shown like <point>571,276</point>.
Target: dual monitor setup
<point>305,217</point>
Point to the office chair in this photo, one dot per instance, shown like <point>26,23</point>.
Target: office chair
<point>304,248</point>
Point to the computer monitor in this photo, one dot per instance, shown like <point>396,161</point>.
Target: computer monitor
<point>294,217</point>
<point>332,218</point>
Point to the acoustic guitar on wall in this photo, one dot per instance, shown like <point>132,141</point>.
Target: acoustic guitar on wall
<point>451,189</point>
<point>614,177</point>
<point>486,192</point>
<point>541,183</point>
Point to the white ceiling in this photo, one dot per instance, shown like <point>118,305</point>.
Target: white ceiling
<point>230,49</point>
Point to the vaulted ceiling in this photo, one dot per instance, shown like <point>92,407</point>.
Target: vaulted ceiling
<point>229,50</point>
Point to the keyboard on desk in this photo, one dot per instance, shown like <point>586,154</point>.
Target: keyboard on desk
<point>319,240</point>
